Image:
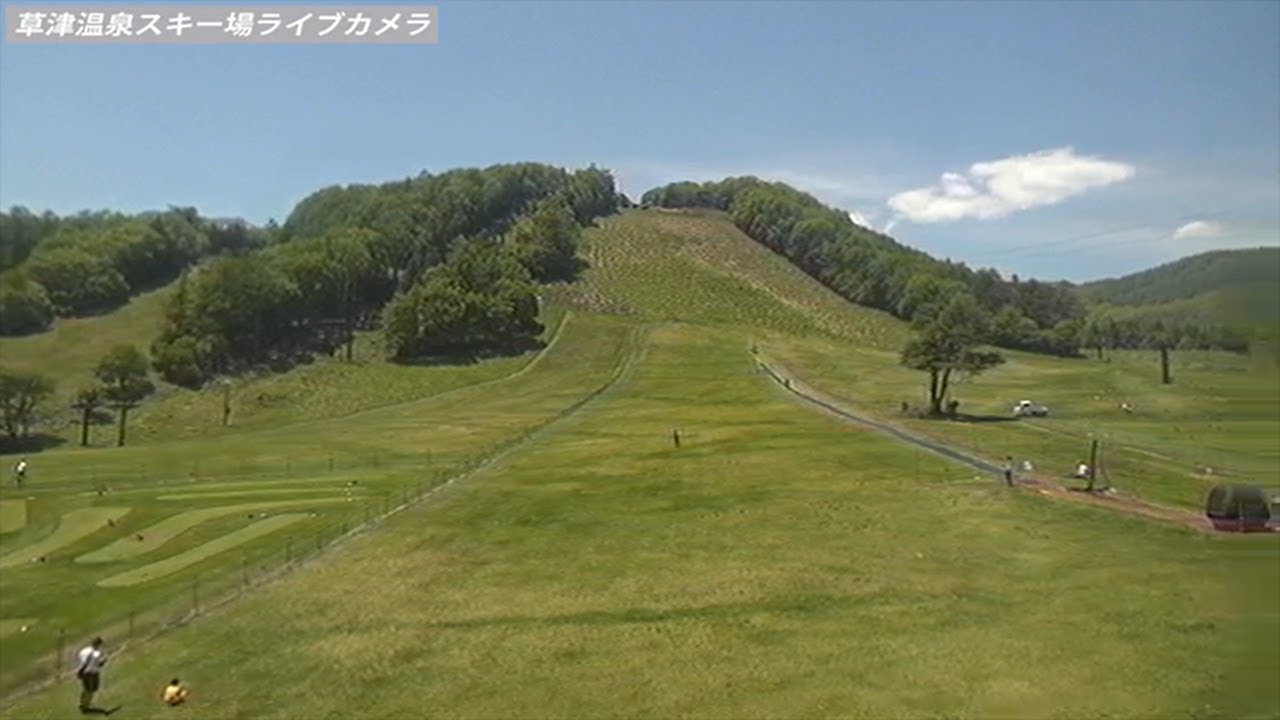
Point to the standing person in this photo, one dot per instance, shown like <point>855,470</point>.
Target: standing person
<point>1008,470</point>
<point>89,670</point>
<point>20,471</point>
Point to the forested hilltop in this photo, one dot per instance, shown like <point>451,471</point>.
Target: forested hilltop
<point>443,263</point>
<point>93,262</point>
<point>450,262</point>
<point>873,269</point>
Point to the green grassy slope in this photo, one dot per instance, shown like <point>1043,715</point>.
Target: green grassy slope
<point>695,266</point>
<point>68,352</point>
<point>778,564</point>
<point>326,387</point>
<point>390,452</point>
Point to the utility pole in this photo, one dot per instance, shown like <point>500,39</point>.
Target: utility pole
<point>1093,462</point>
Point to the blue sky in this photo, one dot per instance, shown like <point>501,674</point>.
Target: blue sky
<point>1072,140</point>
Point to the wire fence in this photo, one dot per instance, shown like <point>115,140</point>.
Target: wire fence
<point>207,591</point>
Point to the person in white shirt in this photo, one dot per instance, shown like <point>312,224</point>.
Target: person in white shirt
<point>20,471</point>
<point>89,669</point>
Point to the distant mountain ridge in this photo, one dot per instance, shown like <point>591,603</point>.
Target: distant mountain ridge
<point>1234,287</point>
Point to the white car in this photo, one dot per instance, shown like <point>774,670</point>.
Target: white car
<point>1026,408</point>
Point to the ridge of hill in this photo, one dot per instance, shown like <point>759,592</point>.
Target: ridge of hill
<point>1232,287</point>
<point>695,265</point>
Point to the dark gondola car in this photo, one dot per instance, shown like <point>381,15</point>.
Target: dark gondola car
<point>1238,508</point>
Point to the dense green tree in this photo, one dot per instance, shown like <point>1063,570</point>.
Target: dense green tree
<point>123,374</point>
<point>948,345</point>
<point>546,240</point>
<point>925,295</point>
<point>592,194</point>
<point>21,231</point>
<point>21,393</point>
<point>76,281</point>
<point>1098,334</point>
<point>481,299</point>
<point>24,305</point>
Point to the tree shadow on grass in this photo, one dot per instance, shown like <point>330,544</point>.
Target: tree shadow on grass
<point>961,417</point>
<point>30,443</point>
<point>461,357</point>
<point>965,418</point>
<point>808,605</point>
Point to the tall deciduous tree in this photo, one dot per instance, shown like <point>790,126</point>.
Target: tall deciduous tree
<point>87,402</point>
<point>947,346</point>
<point>123,373</point>
<point>20,394</point>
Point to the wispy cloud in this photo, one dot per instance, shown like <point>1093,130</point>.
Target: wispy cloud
<point>1198,229</point>
<point>998,188</point>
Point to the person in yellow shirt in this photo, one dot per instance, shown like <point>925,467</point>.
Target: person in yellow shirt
<point>174,693</point>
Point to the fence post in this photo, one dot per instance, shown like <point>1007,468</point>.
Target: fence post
<point>62,647</point>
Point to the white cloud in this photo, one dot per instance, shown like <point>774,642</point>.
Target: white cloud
<point>1198,229</point>
<point>994,189</point>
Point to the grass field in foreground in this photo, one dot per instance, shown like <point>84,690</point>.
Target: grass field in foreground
<point>13,515</point>
<point>390,452</point>
<point>778,564</point>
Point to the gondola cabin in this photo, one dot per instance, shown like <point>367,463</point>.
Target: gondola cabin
<point>1240,508</point>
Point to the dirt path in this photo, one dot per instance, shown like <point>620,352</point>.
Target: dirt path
<point>1110,499</point>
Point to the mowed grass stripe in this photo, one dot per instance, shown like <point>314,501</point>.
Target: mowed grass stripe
<point>13,515</point>
<point>169,528</point>
<point>250,493</point>
<point>170,565</point>
<point>209,486</point>
<point>73,526</point>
